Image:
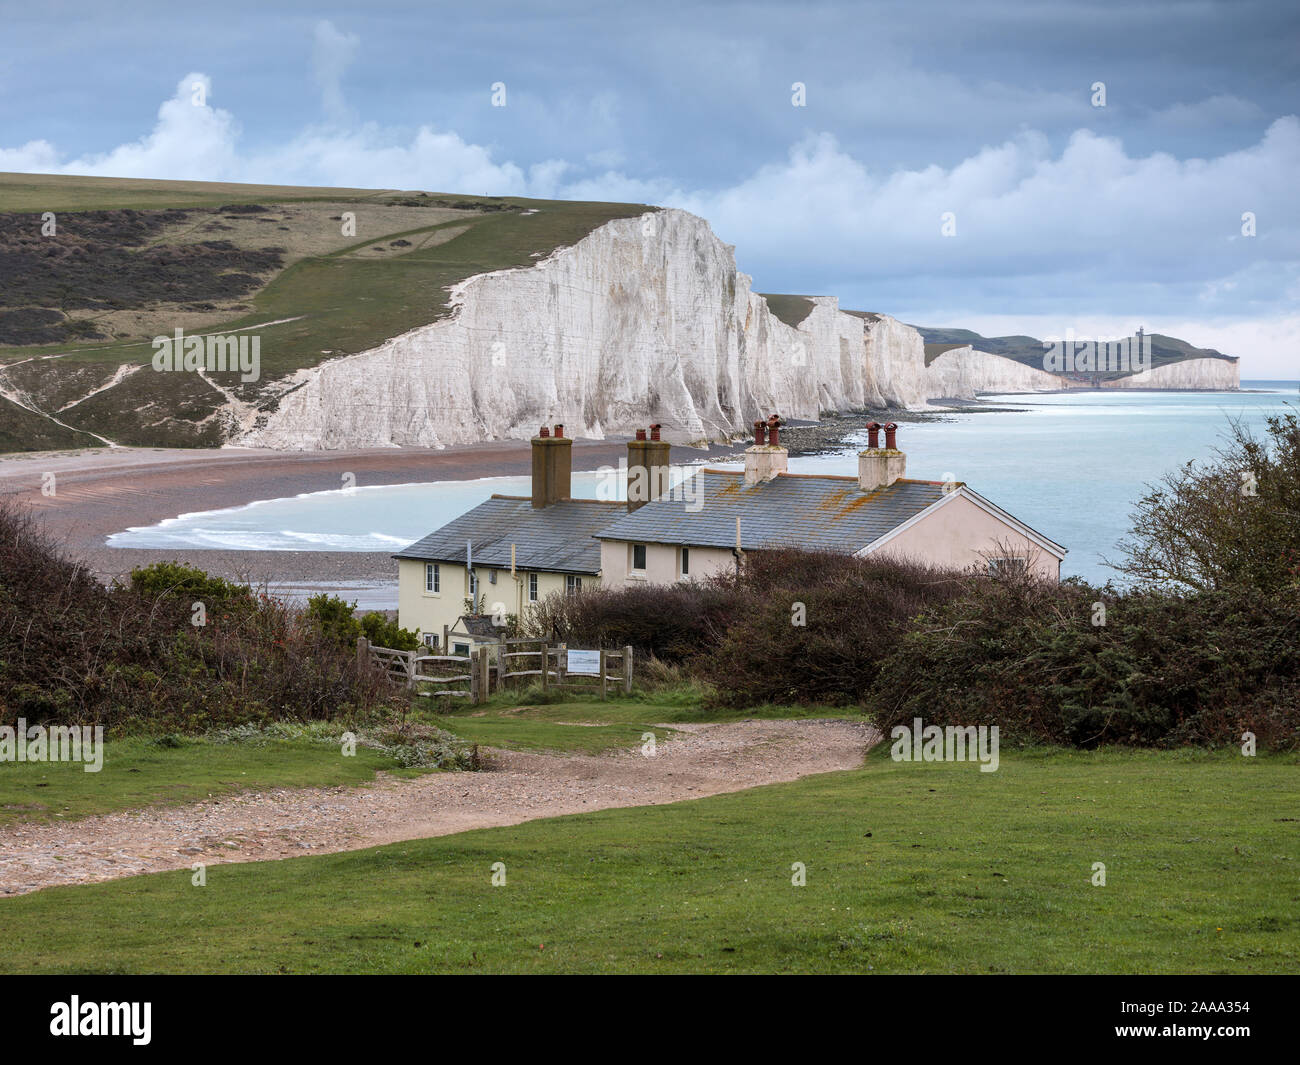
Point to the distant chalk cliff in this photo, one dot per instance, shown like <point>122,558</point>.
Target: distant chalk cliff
<point>646,319</point>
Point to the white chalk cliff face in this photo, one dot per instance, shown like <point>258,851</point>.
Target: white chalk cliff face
<point>644,320</point>
<point>963,373</point>
<point>1215,375</point>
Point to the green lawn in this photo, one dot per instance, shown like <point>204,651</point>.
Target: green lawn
<point>910,868</point>
<point>139,772</point>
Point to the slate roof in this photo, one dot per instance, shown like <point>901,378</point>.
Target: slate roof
<point>791,510</point>
<point>559,538</point>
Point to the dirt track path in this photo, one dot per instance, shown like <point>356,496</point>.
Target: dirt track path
<point>290,822</point>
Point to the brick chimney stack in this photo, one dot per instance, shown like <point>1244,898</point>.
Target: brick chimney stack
<point>552,467</point>
<point>766,458</point>
<point>647,468</point>
<point>879,467</point>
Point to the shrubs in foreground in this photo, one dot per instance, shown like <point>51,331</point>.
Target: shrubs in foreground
<point>1162,670</point>
<point>904,641</point>
<point>133,659</point>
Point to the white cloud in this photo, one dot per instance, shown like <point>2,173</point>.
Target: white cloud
<point>332,53</point>
<point>1090,229</point>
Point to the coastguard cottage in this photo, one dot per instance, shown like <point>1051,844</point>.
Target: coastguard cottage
<point>512,551</point>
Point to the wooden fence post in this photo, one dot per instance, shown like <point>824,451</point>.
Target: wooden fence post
<point>446,639</point>
<point>603,681</point>
<point>411,667</point>
<point>501,661</point>
<point>485,684</point>
<point>475,695</point>
<point>562,664</point>
<point>627,669</point>
<point>363,654</point>
<point>546,664</point>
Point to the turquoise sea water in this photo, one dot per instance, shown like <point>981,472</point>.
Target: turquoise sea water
<point>1069,465</point>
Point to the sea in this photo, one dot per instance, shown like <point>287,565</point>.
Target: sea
<point>1071,465</point>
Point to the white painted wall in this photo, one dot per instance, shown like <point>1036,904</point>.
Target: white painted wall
<point>663,564</point>
<point>960,534</point>
<point>422,611</point>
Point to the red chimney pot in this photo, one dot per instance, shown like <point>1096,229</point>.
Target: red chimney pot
<point>654,431</point>
<point>873,434</point>
<point>559,430</point>
<point>640,434</point>
<point>760,433</point>
<point>545,432</point>
<point>891,439</point>
<point>773,431</point>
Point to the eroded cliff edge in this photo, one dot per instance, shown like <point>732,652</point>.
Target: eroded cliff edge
<point>646,319</point>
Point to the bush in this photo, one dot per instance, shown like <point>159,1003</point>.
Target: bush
<point>1161,671</point>
<point>129,658</point>
<point>738,632</point>
<point>814,627</point>
<point>382,632</point>
<point>335,619</point>
<point>174,579</point>
<point>671,622</point>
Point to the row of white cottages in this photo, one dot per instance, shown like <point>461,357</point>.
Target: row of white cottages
<point>513,551</point>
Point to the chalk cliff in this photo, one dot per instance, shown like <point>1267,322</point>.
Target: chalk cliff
<point>1212,375</point>
<point>646,319</point>
<point>964,373</point>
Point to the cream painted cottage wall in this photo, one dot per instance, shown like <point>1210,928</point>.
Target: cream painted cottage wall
<point>962,534</point>
<point>423,611</point>
<point>663,563</point>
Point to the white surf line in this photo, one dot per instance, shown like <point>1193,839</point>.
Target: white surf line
<point>123,371</point>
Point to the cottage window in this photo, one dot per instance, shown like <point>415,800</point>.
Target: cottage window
<point>432,578</point>
<point>1008,567</point>
<point>572,584</point>
<point>638,556</point>
<point>686,561</point>
<point>532,587</point>
<point>473,585</point>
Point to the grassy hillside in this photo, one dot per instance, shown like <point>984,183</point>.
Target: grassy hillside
<point>789,309</point>
<point>132,259</point>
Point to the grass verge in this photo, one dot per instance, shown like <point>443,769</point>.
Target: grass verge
<point>141,772</point>
<point>911,867</point>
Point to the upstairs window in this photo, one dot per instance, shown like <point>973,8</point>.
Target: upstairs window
<point>532,587</point>
<point>432,578</point>
<point>1008,567</point>
<point>686,561</point>
<point>473,585</point>
<point>572,584</point>
<point>638,556</point>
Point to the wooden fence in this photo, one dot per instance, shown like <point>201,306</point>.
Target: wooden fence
<point>492,666</point>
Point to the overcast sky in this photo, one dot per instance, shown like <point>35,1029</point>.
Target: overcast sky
<point>1066,215</point>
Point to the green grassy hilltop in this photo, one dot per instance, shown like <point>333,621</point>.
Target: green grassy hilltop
<point>130,259</point>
